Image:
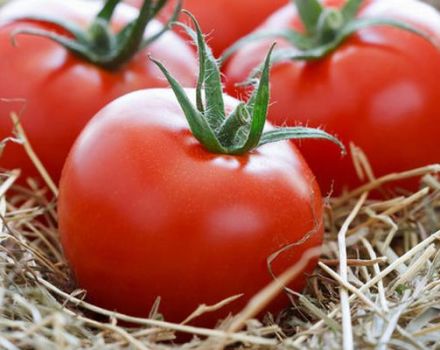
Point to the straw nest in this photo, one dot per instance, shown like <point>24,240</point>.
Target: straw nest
<point>377,284</point>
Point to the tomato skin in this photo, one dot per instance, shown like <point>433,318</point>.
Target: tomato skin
<point>146,211</point>
<point>378,90</point>
<point>225,21</point>
<point>62,92</point>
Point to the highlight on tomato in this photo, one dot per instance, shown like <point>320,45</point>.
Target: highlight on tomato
<point>62,61</point>
<point>184,194</point>
<point>225,21</point>
<point>366,71</point>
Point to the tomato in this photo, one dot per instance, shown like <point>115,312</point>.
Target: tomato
<point>146,211</point>
<point>62,91</point>
<point>225,21</point>
<point>379,90</point>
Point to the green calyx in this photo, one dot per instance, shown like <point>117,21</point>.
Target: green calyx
<point>97,44</point>
<point>243,129</point>
<point>325,29</point>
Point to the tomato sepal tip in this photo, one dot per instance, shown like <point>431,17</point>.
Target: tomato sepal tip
<point>242,130</point>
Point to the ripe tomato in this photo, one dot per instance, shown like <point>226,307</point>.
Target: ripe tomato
<point>62,91</point>
<point>379,89</point>
<point>225,20</point>
<point>146,211</point>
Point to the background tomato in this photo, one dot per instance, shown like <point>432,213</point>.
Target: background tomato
<point>62,92</point>
<point>379,89</point>
<point>225,20</point>
<point>146,211</point>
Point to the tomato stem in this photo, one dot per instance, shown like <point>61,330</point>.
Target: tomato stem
<point>98,44</point>
<point>325,30</point>
<point>107,11</point>
<point>310,13</point>
<point>242,130</point>
<point>330,23</point>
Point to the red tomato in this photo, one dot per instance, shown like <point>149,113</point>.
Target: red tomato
<point>379,89</point>
<point>62,92</point>
<point>225,20</point>
<point>146,211</point>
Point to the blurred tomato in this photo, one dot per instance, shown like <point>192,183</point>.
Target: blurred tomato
<point>379,89</point>
<point>62,91</point>
<point>225,21</point>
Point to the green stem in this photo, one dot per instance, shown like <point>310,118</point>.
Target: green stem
<point>100,36</point>
<point>228,130</point>
<point>329,24</point>
<point>309,12</point>
<point>107,11</point>
<point>133,41</point>
<point>167,26</point>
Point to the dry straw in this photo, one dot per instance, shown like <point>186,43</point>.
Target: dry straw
<point>377,285</point>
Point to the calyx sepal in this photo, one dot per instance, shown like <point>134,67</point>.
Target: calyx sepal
<point>325,29</point>
<point>97,44</point>
<point>242,130</point>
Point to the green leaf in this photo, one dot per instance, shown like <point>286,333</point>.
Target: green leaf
<point>72,28</point>
<point>166,26</point>
<point>133,41</point>
<point>298,133</point>
<point>125,32</point>
<point>360,23</point>
<point>98,44</point>
<point>197,123</point>
<point>107,11</point>
<point>351,9</point>
<point>202,62</point>
<point>297,39</point>
<point>228,131</point>
<point>210,79</point>
<point>287,54</point>
<point>74,46</point>
<point>260,104</point>
<point>243,130</point>
<point>350,28</point>
<point>309,11</point>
